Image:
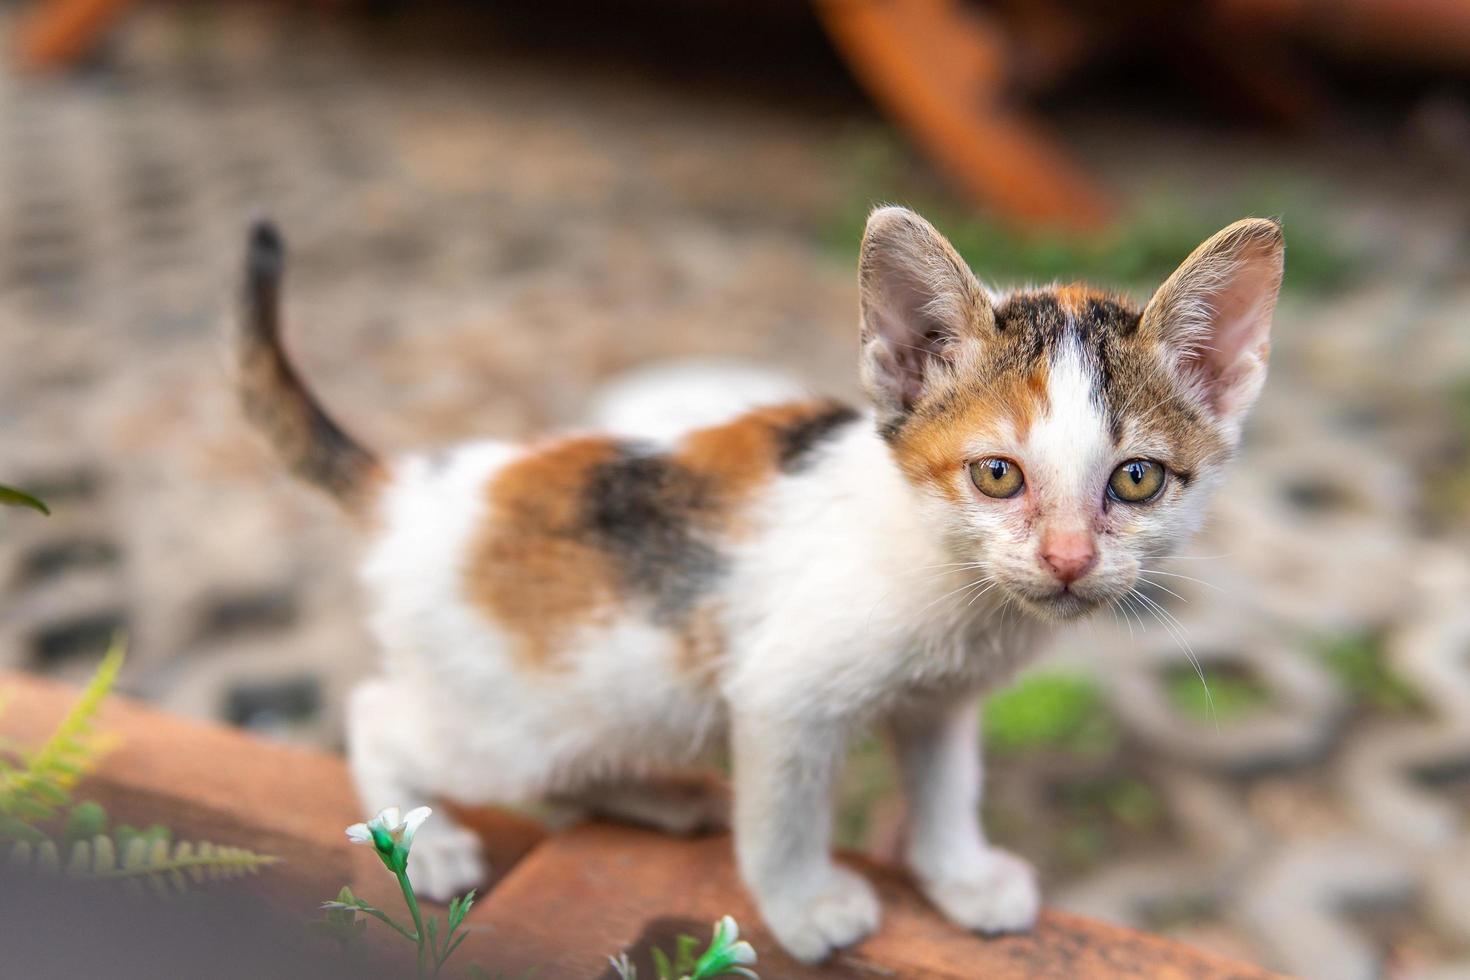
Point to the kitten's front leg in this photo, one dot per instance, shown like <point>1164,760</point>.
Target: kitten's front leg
<point>783,828</point>
<point>977,886</point>
<point>388,748</point>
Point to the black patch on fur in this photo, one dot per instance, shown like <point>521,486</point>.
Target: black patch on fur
<point>1100,327</point>
<point>890,430</point>
<point>1034,325</point>
<point>1033,322</point>
<point>1112,317</point>
<point>797,443</point>
<point>642,509</point>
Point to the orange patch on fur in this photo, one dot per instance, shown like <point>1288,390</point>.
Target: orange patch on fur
<point>538,569</point>
<point>1074,297</point>
<point>932,448</point>
<point>532,567</point>
<point>740,455</point>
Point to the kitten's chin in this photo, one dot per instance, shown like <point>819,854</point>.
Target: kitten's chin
<point>1060,606</point>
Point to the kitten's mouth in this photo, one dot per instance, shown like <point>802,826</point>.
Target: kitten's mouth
<point>1065,602</point>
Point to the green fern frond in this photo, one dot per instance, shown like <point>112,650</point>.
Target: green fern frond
<point>42,784</point>
<point>7,747</point>
<point>19,498</point>
<point>145,861</point>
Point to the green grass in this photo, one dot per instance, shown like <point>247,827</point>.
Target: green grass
<point>1045,711</point>
<point>868,775</point>
<point>1148,242</point>
<point>1234,694</point>
<point>1358,662</point>
<point>1098,813</point>
<point>1050,711</point>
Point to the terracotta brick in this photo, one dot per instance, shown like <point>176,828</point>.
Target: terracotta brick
<point>216,784</point>
<point>573,900</point>
<point>599,889</point>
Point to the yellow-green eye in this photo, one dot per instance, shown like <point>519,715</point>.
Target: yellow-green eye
<point>997,477</point>
<point>1136,481</point>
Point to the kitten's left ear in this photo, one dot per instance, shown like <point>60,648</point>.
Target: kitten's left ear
<point>923,311</point>
<point>1214,314</point>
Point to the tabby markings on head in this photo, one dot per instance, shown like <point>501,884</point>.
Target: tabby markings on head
<point>1011,389</point>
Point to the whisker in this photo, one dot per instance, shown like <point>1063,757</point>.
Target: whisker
<point>948,571</point>
<point>1128,608</point>
<point>1161,588</point>
<point>1178,632</point>
<point>982,584</point>
<point>963,588</point>
<point>981,593</point>
<point>1187,578</point>
<point>1118,605</point>
<point>1228,554</point>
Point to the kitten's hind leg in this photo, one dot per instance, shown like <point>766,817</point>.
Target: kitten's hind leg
<point>388,758</point>
<point>683,804</point>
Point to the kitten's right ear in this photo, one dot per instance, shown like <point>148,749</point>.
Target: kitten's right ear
<point>922,310</point>
<point>1214,314</point>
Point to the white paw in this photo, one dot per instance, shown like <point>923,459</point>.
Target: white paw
<point>445,861</point>
<point>998,895</point>
<point>813,923</point>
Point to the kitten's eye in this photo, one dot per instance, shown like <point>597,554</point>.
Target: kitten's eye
<point>997,477</point>
<point>1136,481</point>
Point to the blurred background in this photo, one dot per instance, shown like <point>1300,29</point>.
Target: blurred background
<point>494,208</point>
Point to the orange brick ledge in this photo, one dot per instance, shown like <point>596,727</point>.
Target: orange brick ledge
<point>559,905</point>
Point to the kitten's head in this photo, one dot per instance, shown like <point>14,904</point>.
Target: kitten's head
<point>1060,435</point>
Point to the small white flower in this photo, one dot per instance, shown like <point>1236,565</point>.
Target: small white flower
<point>727,930</point>
<point>742,953</point>
<point>359,833</point>
<point>623,966</point>
<point>399,830</point>
<point>727,955</point>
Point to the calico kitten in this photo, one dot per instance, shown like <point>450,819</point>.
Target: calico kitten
<point>571,620</point>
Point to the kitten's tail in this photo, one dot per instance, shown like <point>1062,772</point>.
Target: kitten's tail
<point>278,401</point>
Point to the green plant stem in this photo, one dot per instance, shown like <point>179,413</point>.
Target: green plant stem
<point>387,920</point>
<point>418,919</point>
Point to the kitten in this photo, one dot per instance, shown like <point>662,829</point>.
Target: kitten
<point>573,619</point>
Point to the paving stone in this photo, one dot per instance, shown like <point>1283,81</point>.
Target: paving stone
<point>1296,902</point>
<point>1300,719</point>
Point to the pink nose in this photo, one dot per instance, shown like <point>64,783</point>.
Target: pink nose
<point>1070,555</point>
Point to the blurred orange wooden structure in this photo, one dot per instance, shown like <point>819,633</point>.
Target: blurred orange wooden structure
<point>939,69</point>
<point>946,70</point>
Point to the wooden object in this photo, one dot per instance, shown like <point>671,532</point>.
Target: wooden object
<point>938,68</point>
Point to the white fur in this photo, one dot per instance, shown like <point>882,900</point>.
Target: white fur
<point>456,674</point>
<point>667,399</point>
